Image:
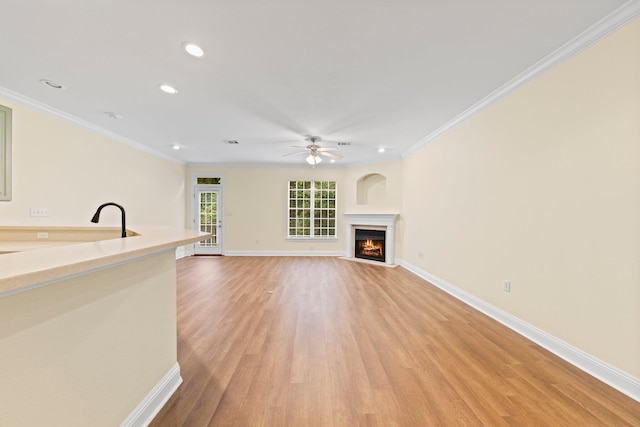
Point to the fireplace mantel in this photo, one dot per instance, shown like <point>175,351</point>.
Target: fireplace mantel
<point>377,220</point>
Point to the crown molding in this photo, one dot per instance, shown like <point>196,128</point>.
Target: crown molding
<point>607,25</point>
<point>258,165</point>
<point>44,108</point>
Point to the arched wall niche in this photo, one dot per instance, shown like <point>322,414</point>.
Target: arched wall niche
<point>372,190</point>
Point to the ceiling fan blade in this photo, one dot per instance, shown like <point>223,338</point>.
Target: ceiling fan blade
<point>327,149</point>
<point>297,152</point>
<point>330,155</point>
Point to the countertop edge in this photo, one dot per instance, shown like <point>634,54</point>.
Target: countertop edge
<point>26,270</point>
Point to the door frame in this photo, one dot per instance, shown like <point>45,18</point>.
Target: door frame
<point>195,208</point>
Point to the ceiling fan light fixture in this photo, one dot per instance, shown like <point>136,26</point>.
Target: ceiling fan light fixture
<point>313,159</point>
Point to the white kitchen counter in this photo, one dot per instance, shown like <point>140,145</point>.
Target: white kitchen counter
<point>41,261</point>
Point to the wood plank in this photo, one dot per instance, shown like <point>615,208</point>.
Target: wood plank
<point>302,341</point>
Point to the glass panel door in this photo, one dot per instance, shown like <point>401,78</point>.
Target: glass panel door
<point>209,220</point>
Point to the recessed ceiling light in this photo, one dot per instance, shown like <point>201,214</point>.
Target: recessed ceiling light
<point>113,115</point>
<point>193,50</point>
<point>168,89</point>
<point>381,150</point>
<point>51,83</point>
<point>332,160</point>
<point>175,147</point>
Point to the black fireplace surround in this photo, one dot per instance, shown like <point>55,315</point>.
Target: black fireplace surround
<point>369,244</point>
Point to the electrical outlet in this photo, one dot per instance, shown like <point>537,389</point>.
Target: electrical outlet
<point>39,212</point>
<point>507,286</point>
<point>44,235</point>
<point>420,255</point>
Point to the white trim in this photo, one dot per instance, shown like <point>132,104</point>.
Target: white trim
<point>284,253</point>
<point>37,105</point>
<point>155,400</point>
<point>610,23</point>
<point>389,157</point>
<point>616,378</point>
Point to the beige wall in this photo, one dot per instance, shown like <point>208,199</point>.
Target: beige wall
<point>255,208</point>
<point>255,201</point>
<point>543,189</point>
<point>388,201</point>
<point>71,171</point>
<point>86,351</point>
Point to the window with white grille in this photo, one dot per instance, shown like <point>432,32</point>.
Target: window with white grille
<point>312,209</point>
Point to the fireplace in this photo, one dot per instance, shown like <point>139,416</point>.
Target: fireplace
<point>369,244</point>
<point>384,223</point>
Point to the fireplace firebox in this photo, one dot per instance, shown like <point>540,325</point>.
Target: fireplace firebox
<point>369,244</point>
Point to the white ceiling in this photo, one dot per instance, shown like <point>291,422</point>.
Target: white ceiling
<point>376,73</point>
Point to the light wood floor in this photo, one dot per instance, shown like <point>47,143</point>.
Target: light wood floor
<point>295,341</point>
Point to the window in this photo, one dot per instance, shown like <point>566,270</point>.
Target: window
<point>5,153</point>
<point>202,180</point>
<point>312,209</point>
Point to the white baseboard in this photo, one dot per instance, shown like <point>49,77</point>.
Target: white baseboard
<point>616,378</point>
<point>155,400</point>
<point>284,253</point>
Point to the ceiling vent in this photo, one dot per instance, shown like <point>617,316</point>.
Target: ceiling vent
<point>51,83</point>
<point>343,144</point>
<point>230,141</point>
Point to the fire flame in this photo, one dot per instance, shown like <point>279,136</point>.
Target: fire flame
<point>371,248</point>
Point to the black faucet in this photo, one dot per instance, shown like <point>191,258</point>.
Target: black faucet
<point>96,217</point>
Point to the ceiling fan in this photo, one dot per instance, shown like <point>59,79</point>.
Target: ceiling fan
<point>315,151</point>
